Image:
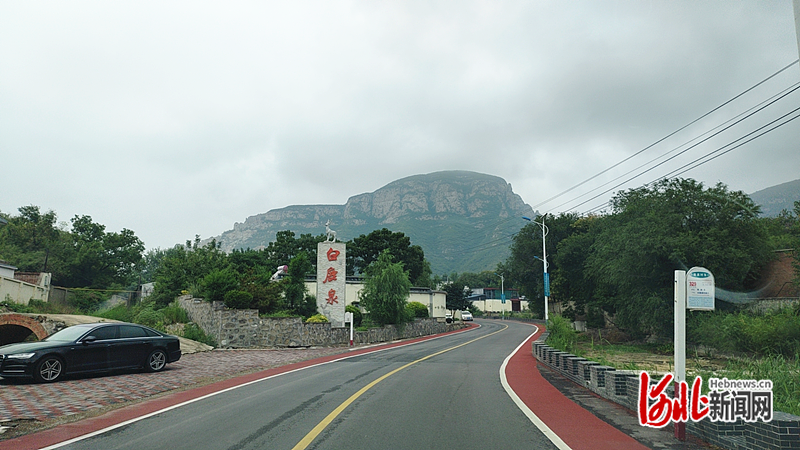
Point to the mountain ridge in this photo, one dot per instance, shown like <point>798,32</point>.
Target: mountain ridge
<point>775,199</point>
<point>462,220</point>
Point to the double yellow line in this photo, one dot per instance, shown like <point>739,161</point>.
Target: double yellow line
<point>309,438</point>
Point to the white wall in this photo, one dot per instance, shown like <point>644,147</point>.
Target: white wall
<point>434,300</point>
<point>20,291</point>
<point>496,305</point>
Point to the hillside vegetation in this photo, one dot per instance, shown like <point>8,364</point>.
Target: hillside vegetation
<point>462,220</point>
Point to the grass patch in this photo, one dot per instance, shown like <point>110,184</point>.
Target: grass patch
<point>784,373</point>
<point>703,361</point>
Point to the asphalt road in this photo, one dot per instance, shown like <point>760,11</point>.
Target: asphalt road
<point>439,393</point>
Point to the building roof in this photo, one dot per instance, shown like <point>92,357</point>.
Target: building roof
<point>6,265</point>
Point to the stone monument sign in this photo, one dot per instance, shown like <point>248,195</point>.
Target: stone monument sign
<point>331,277</point>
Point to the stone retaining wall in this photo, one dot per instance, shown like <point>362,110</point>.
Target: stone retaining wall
<point>622,387</point>
<point>243,328</point>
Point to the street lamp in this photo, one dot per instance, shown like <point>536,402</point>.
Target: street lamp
<point>545,230</point>
<point>502,295</point>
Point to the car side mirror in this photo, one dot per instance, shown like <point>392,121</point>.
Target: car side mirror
<point>89,340</point>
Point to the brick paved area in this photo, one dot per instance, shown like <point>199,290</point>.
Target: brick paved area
<point>27,400</point>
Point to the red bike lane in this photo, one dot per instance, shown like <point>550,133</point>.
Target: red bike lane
<point>575,426</point>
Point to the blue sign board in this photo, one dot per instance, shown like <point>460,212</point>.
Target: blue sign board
<point>546,284</point>
<point>503,298</point>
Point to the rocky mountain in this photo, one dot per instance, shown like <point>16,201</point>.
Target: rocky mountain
<point>462,220</point>
<point>777,198</point>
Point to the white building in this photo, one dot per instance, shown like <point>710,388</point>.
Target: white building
<point>491,300</point>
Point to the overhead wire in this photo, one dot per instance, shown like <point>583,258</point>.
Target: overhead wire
<point>747,115</point>
<point>679,172</point>
<point>708,156</point>
<point>668,135</point>
<point>697,162</point>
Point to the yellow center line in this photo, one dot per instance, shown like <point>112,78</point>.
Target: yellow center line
<point>309,438</point>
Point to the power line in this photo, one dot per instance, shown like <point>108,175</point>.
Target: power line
<point>665,137</point>
<point>736,122</point>
<point>737,146</point>
<point>699,161</point>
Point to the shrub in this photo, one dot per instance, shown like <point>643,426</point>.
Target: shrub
<point>281,314</point>
<point>357,316</point>
<point>417,309</point>
<point>771,333</point>
<point>174,313</point>
<point>149,317</point>
<point>119,312</point>
<point>195,333</point>
<point>317,318</point>
<point>238,299</point>
<point>35,306</point>
<point>562,336</point>
<point>217,283</point>
<point>85,301</point>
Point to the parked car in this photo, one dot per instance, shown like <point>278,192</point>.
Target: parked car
<point>466,316</point>
<point>89,348</point>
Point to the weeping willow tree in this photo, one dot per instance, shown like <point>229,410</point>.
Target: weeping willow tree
<point>386,290</point>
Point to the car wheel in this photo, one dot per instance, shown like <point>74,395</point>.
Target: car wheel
<point>49,369</point>
<point>156,361</point>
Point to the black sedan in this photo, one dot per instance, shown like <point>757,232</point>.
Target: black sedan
<point>89,348</point>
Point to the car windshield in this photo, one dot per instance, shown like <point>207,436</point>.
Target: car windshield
<point>67,334</point>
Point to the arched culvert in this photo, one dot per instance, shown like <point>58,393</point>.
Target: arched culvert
<point>17,328</point>
<point>10,334</point>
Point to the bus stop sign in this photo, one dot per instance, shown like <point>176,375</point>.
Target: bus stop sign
<point>699,289</point>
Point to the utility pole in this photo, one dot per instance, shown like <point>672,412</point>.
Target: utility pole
<point>546,279</point>
<point>797,23</point>
<point>503,295</point>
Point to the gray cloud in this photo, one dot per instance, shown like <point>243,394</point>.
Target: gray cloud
<point>181,118</point>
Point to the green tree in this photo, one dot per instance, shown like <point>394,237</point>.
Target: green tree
<point>286,246</point>
<point>32,242</point>
<point>673,224</point>
<point>184,266</point>
<point>366,249</point>
<point>295,292</point>
<point>386,290</point>
<point>523,269</point>
<point>217,283</point>
<point>456,297</point>
<point>569,284</point>
<point>148,267</point>
<point>267,294</point>
<point>102,259</point>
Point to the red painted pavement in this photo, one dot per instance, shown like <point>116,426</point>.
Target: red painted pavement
<point>577,427</point>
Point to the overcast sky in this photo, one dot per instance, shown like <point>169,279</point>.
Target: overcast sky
<point>180,118</point>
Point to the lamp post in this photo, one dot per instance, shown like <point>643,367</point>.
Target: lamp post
<point>502,295</point>
<point>545,230</point>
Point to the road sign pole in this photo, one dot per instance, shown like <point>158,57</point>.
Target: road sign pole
<point>680,342</point>
<point>348,317</point>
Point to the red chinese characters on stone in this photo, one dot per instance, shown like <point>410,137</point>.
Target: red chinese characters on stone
<point>331,275</point>
<point>332,298</point>
<point>333,254</point>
